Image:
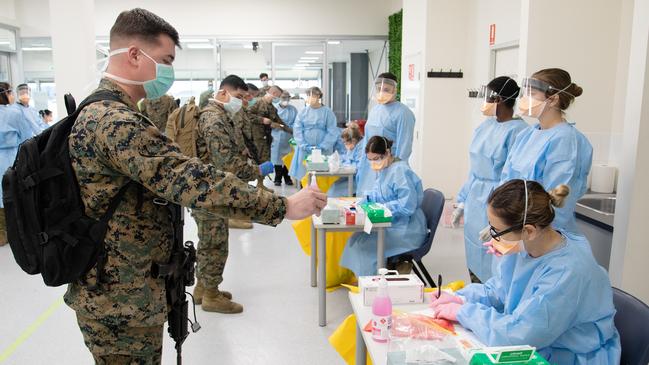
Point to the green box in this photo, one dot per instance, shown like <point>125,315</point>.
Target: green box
<point>376,213</point>
<point>480,358</point>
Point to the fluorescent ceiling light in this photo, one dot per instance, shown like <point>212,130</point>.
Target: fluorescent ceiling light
<point>200,46</point>
<point>4,43</point>
<point>333,42</point>
<point>194,40</point>
<point>39,45</point>
<point>306,61</point>
<point>37,48</point>
<point>309,58</point>
<point>314,52</point>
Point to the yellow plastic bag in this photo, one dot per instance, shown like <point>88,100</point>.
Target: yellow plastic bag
<point>336,241</point>
<point>288,159</point>
<point>343,340</point>
<point>324,182</point>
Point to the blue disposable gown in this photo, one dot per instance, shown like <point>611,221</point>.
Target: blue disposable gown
<point>394,121</point>
<point>14,129</point>
<point>36,123</point>
<point>488,153</point>
<point>399,188</point>
<point>280,147</point>
<point>349,158</point>
<point>313,128</point>
<point>561,303</point>
<point>559,155</point>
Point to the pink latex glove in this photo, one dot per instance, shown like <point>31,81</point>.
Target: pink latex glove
<point>491,249</point>
<point>448,311</point>
<point>445,298</point>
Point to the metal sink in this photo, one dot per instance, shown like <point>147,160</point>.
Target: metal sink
<point>600,207</point>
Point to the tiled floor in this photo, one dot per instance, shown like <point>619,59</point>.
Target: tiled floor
<point>267,272</point>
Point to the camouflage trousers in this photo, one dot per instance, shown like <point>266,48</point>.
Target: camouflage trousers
<point>121,345</point>
<point>264,151</point>
<point>212,252</point>
<point>3,228</point>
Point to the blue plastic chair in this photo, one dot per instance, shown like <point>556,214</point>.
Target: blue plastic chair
<point>632,322</point>
<point>432,205</point>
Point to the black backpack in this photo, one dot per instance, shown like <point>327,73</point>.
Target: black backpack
<point>47,228</point>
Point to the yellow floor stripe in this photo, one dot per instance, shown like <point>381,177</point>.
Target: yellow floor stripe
<point>31,329</point>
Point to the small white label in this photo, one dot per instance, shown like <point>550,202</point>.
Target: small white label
<point>381,326</point>
<point>368,225</point>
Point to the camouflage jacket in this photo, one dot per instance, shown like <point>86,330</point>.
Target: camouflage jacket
<point>243,124</point>
<point>158,110</point>
<point>217,143</point>
<point>112,144</point>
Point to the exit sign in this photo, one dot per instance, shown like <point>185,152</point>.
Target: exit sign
<point>492,34</point>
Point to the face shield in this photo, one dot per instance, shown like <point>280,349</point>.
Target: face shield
<point>385,90</point>
<point>534,96</point>
<point>492,98</point>
<point>313,98</point>
<point>24,94</point>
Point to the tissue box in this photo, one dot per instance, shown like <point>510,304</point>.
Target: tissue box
<point>330,215</point>
<point>403,289</point>
<point>317,166</point>
<point>377,213</point>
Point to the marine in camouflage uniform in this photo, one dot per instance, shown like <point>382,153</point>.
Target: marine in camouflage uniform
<point>111,144</point>
<point>244,132</point>
<point>158,110</point>
<point>217,144</point>
<point>261,132</point>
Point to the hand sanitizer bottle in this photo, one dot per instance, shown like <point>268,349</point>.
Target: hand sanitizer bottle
<point>382,311</point>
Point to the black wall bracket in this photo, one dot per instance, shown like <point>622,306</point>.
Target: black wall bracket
<point>450,74</point>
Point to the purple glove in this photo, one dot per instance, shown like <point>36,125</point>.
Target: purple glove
<point>445,298</point>
<point>448,311</point>
<point>266,168</point>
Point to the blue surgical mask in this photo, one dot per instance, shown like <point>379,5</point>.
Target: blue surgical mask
<point>164,77</point>
<point>252,102</point>
<point>276,100</point>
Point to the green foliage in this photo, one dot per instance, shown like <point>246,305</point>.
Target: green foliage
<point>394,52</point>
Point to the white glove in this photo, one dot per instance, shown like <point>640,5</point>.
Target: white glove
<point>457,215</point>
<point>485,234</point>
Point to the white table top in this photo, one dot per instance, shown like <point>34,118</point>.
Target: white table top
<point>343,171</point>
<point>379,351</point>
<point>317,222</point>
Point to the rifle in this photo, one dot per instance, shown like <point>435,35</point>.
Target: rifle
<point>178,274</point>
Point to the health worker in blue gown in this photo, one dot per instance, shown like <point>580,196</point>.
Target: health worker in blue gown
<point>488,152</point>
<point>546,292</point>
<point>400,190</point>
<point>281,135</point>
<point>315,127</point>
<point>388,118</point>
<point>552,151</point>
<point>350,157</point>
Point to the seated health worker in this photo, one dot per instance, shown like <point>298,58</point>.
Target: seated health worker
<point>398,188</point>
<point>350,157</point>
<point>547,291</point>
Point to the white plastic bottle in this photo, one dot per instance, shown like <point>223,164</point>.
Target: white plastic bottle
<point>382,311</point>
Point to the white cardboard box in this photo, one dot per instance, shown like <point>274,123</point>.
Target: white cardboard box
<point>403,289</point>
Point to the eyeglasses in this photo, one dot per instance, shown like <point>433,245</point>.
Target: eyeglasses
<point>496,235</point>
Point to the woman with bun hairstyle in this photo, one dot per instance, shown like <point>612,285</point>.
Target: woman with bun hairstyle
<point>552,151</point>
<point>551,295</point>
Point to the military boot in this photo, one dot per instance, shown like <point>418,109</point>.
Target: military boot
<point>199,291</point>
<point>216,301</point>
<point>239,224</point>
<point>287,178</point>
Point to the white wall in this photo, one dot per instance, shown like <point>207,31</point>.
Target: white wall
<point>629,269</point>
<point>582,39</point>
<point>8,15</point>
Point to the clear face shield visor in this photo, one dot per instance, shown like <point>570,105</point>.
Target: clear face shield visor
<point>492,98</point>
<point>534,94</point>
<point>384,91</point>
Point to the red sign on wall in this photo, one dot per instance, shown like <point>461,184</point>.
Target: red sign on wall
<point>411,72</point>
<point>492,34</point>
